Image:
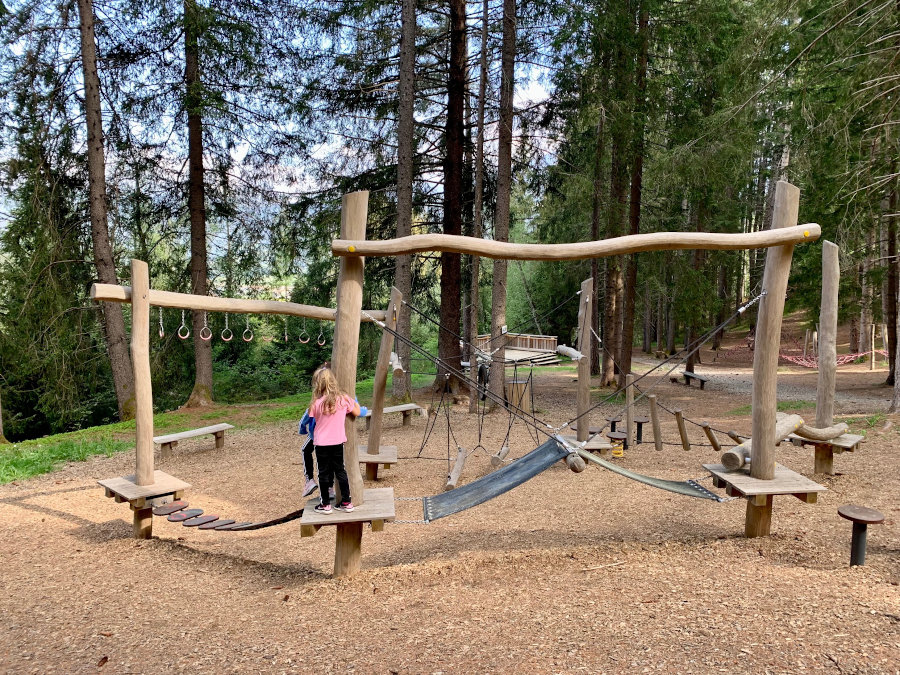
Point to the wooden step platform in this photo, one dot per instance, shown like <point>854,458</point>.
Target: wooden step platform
<point>386,455</point>
<point>786,482</point>
<point>843,443</point>
<point>377,509</point>
<point>125,489</point>
<point>824,451</point>
<point>597,444</point>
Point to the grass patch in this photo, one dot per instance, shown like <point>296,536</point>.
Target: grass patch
<point>783,406</point>
<point>32,458</point>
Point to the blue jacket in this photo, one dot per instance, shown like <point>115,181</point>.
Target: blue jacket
<point>307,424</point>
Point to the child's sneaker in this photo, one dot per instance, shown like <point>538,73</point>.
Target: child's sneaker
<point>323,508</point>
<point>310,487</point>
<point>346,506</point>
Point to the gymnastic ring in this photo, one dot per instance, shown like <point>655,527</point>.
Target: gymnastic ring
<point>162,334</point>
<point>244,335</point>
<point>205,334</point>
<point>300,337</point>
<point>321,340</point>
<point>186,334</point>
<point>267,338</point>
<point>230,335</point>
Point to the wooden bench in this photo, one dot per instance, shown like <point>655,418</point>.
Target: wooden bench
<point>688,376</point>
<point>407,409</point>
<point>169,441</point>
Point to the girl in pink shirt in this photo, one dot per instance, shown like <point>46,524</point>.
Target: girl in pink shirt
<point>330,407</point>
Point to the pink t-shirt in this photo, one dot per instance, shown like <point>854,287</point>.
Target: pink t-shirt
<point>330,428</point>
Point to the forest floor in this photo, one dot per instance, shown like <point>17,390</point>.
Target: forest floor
<point>569,572</point>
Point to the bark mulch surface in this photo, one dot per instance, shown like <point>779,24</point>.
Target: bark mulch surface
<point>568,573</point>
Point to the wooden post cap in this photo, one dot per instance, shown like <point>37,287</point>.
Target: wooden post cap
<point>641,420</point>
<point>617,418</point>
<point>861,514</point>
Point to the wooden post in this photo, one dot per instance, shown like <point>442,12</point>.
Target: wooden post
<point>828,318</point>
<point>380,385</point>
<point>354,211</point>
<point>654,422</point>
<point>585,343</point>
<point>679,419</point>
<point>871,346</point>
<point>143,390</point>
<point>711,436</point>
<point>629,410</point>
<point>758,522</point>
<point>884,343</point>
<point>805,342</point>
<point>765,354</point>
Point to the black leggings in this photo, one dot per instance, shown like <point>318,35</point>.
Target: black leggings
<point>331,465</point>
<point>308,467</point>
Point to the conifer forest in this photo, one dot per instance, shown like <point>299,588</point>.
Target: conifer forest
<point>215,139</point>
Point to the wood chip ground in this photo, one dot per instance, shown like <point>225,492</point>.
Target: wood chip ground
<point>569,573</point>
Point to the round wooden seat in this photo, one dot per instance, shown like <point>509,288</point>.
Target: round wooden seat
<point>861,514</point>
<point>613,421</point>
<point>641,420</point>
<point>617,436</point>
<point>861,517</point>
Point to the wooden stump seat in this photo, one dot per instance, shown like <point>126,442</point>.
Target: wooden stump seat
<point>169,441</point>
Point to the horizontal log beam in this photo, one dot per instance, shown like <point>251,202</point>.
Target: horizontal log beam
<point>632,243</point>
<point>113,293</point>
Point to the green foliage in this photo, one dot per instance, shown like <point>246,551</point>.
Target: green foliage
<point>23,460</point>
<point>782,406</point>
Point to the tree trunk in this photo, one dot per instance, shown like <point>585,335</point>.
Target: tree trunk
<point>721,286</point>
<point>448,340</point>
<point>402,381</point>
<point>892,278</point>
<point>111,312</point>
<point>634,210</point>
<point>203,376</point>
<point>478,210</point>
<point>2,437</point>
<point>596,216</point>
<point>504,187</point>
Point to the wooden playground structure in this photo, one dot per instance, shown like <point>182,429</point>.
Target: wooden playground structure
<point>758,485</point>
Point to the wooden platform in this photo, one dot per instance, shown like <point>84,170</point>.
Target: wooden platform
<point>124,489</point>
<point>596,444</point>
<point>377,509</point>
<point>786,482</point>
<point>386,455</point>
<point>843,443</point>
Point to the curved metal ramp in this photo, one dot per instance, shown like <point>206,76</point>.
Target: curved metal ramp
<point>687,488</point>
<point>495,483</point>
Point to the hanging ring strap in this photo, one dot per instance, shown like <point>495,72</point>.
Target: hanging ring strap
<point>247,335</point>
<point>205,332</point>
<point>321,339</point>
<point>302,334</point>
<point>227,335</point>
<point>162,330</point>
<point>183,332</point>
<point>285,330</point>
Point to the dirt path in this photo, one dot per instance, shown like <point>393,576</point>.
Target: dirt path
<point>568,573</point>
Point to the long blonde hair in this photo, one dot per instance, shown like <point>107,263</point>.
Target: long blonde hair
<point>325,387</point>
